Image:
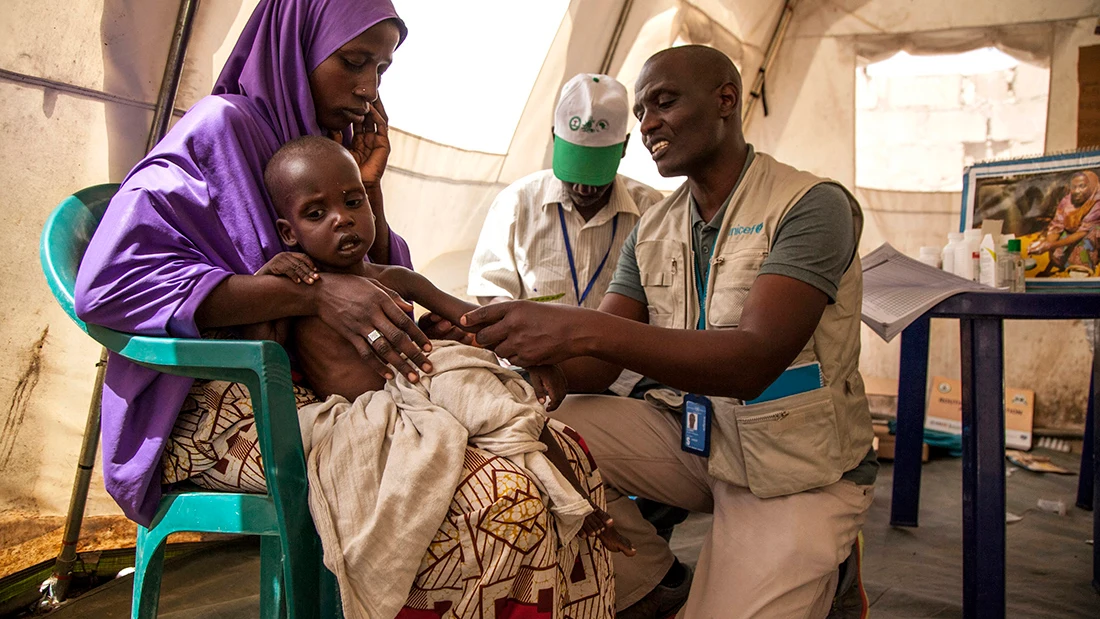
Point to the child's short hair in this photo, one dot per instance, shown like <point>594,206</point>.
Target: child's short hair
<point>307,147</point>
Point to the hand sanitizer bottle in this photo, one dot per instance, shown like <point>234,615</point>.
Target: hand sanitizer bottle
<point>1016,282</point>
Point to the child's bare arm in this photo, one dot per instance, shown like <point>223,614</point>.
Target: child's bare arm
<point>560,461</point>
<point>417,288</point>
<point>598,523</point>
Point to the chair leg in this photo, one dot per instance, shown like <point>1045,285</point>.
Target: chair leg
<point>272,581</point>
<point>148,569</point>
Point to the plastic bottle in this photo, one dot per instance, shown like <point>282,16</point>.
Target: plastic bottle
<point>987,269</point>
<point>967,247</point>
<point>1005,264</point>
<point>930,256</point>
<point>1004,268</point>
<point>1016,282</point>
<point>948,256</point>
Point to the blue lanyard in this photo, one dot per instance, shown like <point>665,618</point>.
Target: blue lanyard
<point>573,266</point>
<point>701,288</point>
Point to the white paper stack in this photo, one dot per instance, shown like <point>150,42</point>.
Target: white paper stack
<point>898,289</point>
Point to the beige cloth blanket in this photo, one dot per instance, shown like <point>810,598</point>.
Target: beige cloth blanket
<point>382,470</point>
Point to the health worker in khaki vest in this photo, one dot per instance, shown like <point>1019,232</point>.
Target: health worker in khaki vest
<point>741,292</point>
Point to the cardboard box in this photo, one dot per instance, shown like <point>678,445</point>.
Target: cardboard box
<point>884,444</point>
<point>882,396</point>
<point>1088,96</point>
<point>945,411</point>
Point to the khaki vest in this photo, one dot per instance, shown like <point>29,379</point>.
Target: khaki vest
<point>798,442</point>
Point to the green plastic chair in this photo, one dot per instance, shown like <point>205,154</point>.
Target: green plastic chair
<point>293,580</point>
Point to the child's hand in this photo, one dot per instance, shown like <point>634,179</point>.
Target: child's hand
<point>549,383</point>
<point>437,327</point>
<point>293,265</point>
<point>599,524</point>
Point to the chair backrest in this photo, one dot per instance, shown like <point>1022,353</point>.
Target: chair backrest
<point>65,238</point>
<point>262,366</point>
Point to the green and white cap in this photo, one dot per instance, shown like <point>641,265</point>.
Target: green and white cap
<point>589,129</point>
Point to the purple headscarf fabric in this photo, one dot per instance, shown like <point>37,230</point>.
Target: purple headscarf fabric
<point>194,212</point>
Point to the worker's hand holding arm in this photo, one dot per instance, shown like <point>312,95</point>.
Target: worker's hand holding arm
<point>780,315</point>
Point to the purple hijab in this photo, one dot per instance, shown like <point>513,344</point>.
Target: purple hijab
<point>194,212</point>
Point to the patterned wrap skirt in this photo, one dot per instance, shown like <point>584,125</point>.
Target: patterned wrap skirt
<point>496,554</point>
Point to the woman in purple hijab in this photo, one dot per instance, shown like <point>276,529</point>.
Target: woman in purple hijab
<point>178,245</point>
<point>175,255</point>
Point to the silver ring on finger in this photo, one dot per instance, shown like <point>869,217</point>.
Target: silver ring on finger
<point>374,336</point>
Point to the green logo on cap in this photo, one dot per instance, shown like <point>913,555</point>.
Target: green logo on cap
<point>592,126</point>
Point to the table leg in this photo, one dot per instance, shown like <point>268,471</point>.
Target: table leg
<point>1089,479</point>
<point>1094,425</point>
<point>983,468</point>
<point>1085,482</point>
<point>913,378</point>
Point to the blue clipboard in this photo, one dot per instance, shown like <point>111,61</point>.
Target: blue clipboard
<point>796,380</point>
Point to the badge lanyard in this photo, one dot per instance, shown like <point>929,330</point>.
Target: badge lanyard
<point>701,284</point>
<point>695,422</point>
<point>573,266</point>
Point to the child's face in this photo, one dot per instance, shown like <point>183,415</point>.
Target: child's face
<point>326,212</point>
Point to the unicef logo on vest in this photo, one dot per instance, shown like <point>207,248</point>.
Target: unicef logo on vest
<point>749,229</point>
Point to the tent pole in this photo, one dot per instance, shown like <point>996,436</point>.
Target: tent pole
<point>56,588</point>
<point>613,46</point>
<point>173,70</point>
<point>769,57</point>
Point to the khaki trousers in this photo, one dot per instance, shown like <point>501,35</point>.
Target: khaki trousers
<point>762,557</point>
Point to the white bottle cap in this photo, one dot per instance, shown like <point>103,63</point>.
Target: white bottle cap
<point>954,236</point>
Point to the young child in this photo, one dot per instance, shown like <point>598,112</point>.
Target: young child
<point>316,189</point>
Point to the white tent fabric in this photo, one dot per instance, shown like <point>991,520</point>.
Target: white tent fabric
<point>59,138</point>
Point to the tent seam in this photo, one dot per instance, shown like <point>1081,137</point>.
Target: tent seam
<point>79,91</point>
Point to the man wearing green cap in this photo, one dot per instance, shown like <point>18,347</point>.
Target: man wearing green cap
<point>555,235</point>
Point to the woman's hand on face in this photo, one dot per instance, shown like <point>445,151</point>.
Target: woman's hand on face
<point>524,332</point>
<point>356,307</point>
<point>370,144</point>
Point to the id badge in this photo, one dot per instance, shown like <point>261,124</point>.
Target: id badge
<point>695,425</point>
